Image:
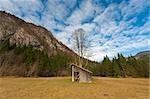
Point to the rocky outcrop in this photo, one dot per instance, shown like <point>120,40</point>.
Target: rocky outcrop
<point>21,33</point>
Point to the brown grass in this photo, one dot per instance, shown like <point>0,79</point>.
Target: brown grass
<point>63,88</point>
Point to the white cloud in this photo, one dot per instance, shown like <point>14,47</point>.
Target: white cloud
<point>8,6</point>
<point>80,14</point>
<point>133,7</point>
<point>86,10</point>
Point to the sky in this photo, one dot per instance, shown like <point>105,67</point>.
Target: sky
<point>111,26</point>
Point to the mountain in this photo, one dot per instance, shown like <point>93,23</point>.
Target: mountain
<point>30,50</point>
<point>20,32</point>
<point>142,54</point>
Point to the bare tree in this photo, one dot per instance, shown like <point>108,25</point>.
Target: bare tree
<point>79,43</point>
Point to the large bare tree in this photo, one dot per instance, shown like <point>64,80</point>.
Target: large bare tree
<point>79,43</point>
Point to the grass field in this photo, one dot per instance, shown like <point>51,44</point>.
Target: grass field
<point>63,88</point>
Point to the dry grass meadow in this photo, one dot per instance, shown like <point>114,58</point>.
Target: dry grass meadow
<point>63,88</point>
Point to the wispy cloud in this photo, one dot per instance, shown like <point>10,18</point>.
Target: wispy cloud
<point>113,26</point>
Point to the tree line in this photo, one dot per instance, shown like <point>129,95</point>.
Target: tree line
<point>27,61</point>
<point>122,67</point>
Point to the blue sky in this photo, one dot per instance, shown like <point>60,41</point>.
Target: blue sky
<point>112,26</point>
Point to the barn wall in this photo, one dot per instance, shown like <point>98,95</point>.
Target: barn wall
<point>83,75</point>
<point>89,77</point>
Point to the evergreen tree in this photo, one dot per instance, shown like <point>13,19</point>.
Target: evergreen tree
<point>132,67</point>
<point>107,67</point>
<point>122,64</point>
<point>115,68</point>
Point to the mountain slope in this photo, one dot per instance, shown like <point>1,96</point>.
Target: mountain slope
<point>30,50</point>
<point>142,54</point>
<point>18,32</point>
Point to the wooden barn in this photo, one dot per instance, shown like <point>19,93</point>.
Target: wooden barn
<point>80,74</point>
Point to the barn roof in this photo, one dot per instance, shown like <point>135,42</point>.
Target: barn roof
<point>81,68</point>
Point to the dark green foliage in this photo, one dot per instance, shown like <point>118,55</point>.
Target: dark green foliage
<point>32,62</point>
<point>6,46</point>
<point>56,65</point>
<point>122,67</point>
<point>106,68</point>
<point>115,68</point>
<point>121,61</point>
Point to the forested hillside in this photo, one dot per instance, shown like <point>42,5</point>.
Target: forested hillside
<point>26,61</point>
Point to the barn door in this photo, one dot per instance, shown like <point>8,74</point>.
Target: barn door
<point>76,75</point>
